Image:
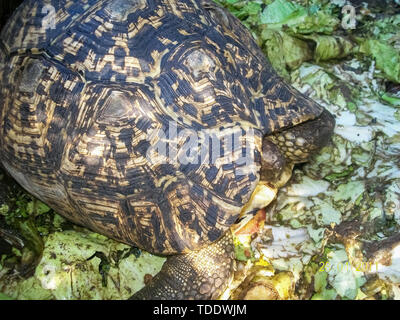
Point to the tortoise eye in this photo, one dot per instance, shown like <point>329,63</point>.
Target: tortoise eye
<point>117,106</point>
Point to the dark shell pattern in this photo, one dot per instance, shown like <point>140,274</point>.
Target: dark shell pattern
<point>82,96</point>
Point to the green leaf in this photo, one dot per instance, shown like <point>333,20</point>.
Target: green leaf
<point>387,58</point>
<point>320,281</point>
<point>329,294</point>
<point>349,191</point>
<point>282,15</point>
<point>346,282</point>
<point>253,8</point>
<point>325,213</point>
<point>397,115</point>
<point>351,106</point>
<point>337,175</point>
<point>41,208</point>
<point>394,101</point>
<point>37,207</point>
<point>243,253</point>
<point>280,11</point>
<point>4,209</point>
<point>5,297</point>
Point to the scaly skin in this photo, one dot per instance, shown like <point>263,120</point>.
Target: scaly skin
<point>202,274</point>
<point>294,145</point>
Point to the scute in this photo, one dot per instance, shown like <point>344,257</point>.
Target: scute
<point>199,61</point>
<point>120,9</point>
<point>117,107</point>
<point>30,76</point>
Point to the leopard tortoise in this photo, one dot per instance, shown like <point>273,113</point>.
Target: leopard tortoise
<point>93,90</point>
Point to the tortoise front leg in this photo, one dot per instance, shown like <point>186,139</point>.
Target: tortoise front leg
<point>202,274</point>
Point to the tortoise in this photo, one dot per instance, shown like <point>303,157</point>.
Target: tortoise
<point>91,91</point>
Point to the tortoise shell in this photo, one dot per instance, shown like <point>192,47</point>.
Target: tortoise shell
<point>88,87</point>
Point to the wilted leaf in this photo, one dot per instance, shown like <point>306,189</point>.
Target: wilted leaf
<point>284,51</point>
<point>330,47</point>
